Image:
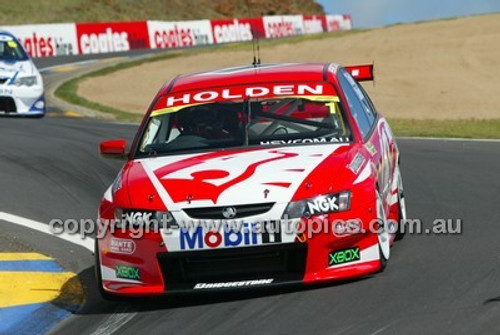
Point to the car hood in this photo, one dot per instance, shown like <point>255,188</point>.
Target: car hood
<point>232,177</point>
<point>9,69</point>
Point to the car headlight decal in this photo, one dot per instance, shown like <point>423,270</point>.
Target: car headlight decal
<point>26,81</point>
<point>323,204</point>
<point>117,183</point>
<point>39,105</point>
<point>154,220</point>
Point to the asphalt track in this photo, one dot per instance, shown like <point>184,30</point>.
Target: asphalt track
<point>446,284</point>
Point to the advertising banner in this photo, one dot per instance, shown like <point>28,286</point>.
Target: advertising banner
<point>283,25</point>
<point>46,40</point>
<point>94,38</point>
<point>164,34</point>
<point>237,30</point>
<point>314,24</point>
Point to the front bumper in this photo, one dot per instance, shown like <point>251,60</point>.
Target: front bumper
<point>160,263</point>
<point>22,101</point>
<point>233,267</point>
<point>161,272</point>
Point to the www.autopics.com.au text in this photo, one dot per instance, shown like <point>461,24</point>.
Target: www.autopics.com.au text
<point>308,227</point>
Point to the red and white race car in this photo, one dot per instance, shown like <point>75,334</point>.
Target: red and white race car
<point>251,177</point>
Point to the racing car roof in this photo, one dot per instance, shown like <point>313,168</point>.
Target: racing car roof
<point>265,73</point>
<point>7,34</point>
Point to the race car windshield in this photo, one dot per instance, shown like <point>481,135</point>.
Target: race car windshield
<point>11,51</point>
<point>280,121</point>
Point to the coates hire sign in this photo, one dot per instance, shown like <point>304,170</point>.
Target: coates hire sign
<point>283,25</point>
<point>163,35</point>
<point>94,38</point>
<point>47,40</point>
<point>237,30</point>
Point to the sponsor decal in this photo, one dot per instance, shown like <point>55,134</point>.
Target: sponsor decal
<point>247,235</point>
<point>323,204</point>
<point>229,212</point>
<point>137,218</point>
<point>306,140</point>
<point>343,256</point>
<point>241,92</point>
<point>357,163</point>
<point>201,183</point>
<point>387,157</point>
<point>127,272</point>
<point>233,284</point>
<point>122,246</point>
<point>347,227</point>
<point>333,67</point>
<point>371,148</point>
<point>6,91</point>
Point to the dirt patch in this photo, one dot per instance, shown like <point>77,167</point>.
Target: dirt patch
<point>440,70</point>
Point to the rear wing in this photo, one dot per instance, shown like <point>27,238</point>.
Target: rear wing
<point>361,72</point>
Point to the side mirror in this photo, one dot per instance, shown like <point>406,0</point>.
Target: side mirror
<point>113,149</point>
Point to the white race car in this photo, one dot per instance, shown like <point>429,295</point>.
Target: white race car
<point>21,86</point>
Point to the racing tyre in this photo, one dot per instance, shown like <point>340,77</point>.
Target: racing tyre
<point>39,116</point>
<point>384,246</point>
<point>400,233</point>
<point>98,277</point>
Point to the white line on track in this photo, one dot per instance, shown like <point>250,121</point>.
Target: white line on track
<point>87,243</point>
<point>114,322</point>
<point>88,61</point>
<point>108,325</point>
<point>453,139</point>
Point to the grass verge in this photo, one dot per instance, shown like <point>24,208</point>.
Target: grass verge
<point>68,90</point>
<point>462,128</point>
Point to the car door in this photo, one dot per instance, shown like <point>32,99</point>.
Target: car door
<point>377,136</point>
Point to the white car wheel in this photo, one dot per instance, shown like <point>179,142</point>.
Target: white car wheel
<point>401,206</point>
<point>383,233</point>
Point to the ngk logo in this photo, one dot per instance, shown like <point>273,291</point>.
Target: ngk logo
<point>173,38</point>
<point>324,204</point>
<point>109,41</point>
<point>280,29</point>
<point>233,32</point>
<point>137,218</point>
